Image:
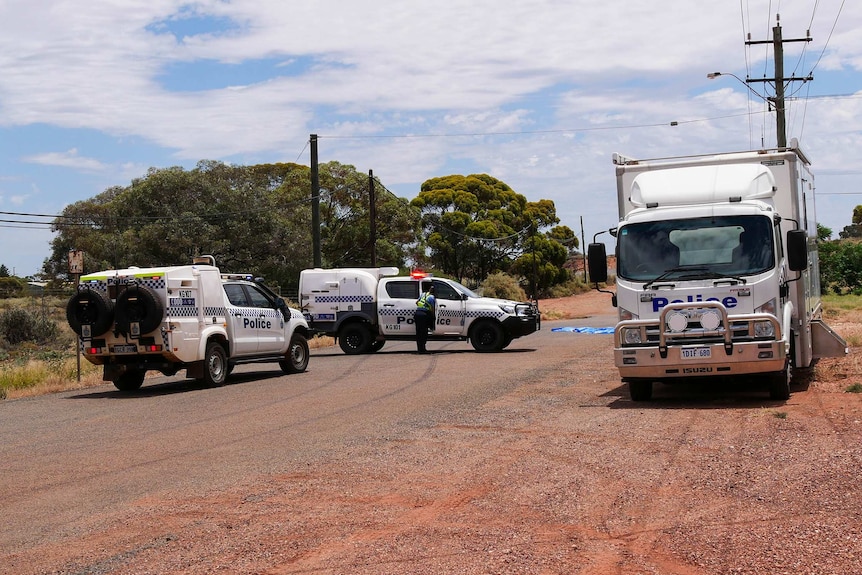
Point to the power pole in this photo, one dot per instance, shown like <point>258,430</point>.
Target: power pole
<point>372,216</point>
<point>315,203</point>
<point>779,79</point>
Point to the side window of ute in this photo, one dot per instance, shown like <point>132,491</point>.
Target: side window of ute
<point>257,298</point>
<point>402,289</point>
<point>235,295</point>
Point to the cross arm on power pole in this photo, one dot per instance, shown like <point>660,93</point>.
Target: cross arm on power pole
<point>779,80</point>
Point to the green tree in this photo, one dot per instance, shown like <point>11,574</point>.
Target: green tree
<point>840,266</point>
<point>254,219</point>
<point>476,225</point>
<point>854,230</point>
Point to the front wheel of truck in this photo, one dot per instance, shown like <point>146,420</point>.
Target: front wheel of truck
<point>779,383</point>
<point>640,390</point>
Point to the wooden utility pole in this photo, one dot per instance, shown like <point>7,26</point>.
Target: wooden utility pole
<point>779,79</point>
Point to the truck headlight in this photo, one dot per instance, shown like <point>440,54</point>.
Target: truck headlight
<point>509,309</point>
<point>765,328</point>
<point>632,336</point>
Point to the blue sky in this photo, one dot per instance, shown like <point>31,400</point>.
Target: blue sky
<point>537,93</point>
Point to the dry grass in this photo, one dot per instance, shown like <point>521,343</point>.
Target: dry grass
<point>38,377</point>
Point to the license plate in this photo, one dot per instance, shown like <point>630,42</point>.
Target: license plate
<point>695,352</point>
<point>124,348</point>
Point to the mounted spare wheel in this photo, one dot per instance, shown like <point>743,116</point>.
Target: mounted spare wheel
<point>138,304</point>
<point>90,307</point>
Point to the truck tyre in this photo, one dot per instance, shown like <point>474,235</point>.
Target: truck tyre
<point>779,384</point>
<point>378,344</point>
<point>487,336</point>
<point>140,304</point>
<point>640,390</point>
<point>90,307</point>
<point>131,380</point>
<point>296,358</point>
<point>354,339</point>
<point>215,365</point>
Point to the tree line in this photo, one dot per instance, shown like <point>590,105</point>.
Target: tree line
<point>257,219</point>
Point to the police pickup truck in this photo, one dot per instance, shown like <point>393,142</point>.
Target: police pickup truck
<point>189,317</point>
<point>363,307</point>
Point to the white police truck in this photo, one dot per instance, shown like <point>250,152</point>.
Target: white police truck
<point>364,307</point>
<point>190,317</point>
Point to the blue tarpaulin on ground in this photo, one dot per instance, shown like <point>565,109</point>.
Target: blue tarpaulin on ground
<point>585,329</point>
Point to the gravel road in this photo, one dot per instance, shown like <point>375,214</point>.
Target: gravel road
<point>533,460</point>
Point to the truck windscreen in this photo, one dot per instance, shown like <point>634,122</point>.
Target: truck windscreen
<point>720,245</point>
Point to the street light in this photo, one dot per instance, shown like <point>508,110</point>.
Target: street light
<point>714,75</point>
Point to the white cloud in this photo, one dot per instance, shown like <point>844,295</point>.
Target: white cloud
<point>67,159</point>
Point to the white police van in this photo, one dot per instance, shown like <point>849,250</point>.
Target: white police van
<point>363,307</point>
<point>189,317</point>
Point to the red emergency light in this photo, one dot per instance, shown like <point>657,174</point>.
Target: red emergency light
<point>419,274</point>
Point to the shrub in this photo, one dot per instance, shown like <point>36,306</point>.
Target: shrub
<point>503,286</point>
<point>18,325</point>
<point>574,286</point>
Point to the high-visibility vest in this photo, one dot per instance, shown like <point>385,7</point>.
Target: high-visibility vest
<point>423,302</point>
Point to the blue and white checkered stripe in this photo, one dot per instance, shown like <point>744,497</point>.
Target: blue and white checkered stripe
<point>441,313</point>
<point>394,311</point>
<point>214,310</point>
<point>156,284</point>
<point>343,299</point>
<point>484,313</point>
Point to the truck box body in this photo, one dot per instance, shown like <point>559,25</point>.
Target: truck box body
<point>704,285</point>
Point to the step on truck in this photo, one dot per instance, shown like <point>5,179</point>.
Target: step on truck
<point>191,317</point>
<point>717,271</point>
<point>364,307</point>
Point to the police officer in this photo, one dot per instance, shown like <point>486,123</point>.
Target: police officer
<point>424,317</point>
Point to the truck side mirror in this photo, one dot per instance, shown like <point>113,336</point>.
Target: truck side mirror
<point>797,250</point>
<point>597,259</point>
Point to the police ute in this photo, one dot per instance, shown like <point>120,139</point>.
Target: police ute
<point>364,307</point>
<point>190,317</point>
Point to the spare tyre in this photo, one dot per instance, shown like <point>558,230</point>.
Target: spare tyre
<point>138,304</point>
<point>90,307</point>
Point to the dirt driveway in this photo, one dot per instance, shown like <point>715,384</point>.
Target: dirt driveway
<point>547,469</point>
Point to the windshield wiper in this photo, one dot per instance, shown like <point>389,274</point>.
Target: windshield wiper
<point>697,273</point>
<point>718,276</point>
<point>677,269</point>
